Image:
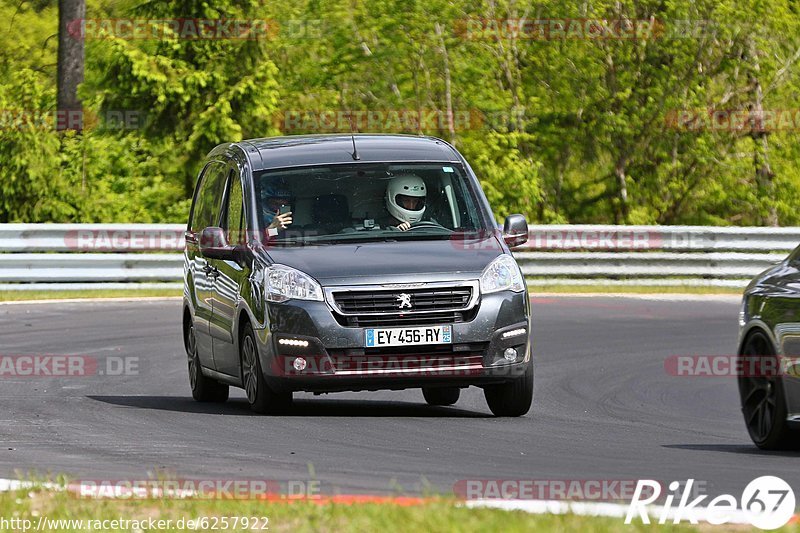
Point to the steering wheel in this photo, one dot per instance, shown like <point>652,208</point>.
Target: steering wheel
<point>427,224</point>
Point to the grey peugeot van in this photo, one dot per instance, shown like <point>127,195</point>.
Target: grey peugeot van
<point>347,263</point>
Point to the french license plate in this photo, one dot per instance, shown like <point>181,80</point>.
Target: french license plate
<point>377,337</point>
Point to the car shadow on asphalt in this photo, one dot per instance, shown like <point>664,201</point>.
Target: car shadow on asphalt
<point>741,449</point>
<point>300,407</point>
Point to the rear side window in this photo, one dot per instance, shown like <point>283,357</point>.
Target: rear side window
<point>234,221</point>
<point>209,198</point>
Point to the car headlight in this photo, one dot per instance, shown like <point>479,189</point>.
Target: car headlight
<point>285,283</point>
<point>502,274</point>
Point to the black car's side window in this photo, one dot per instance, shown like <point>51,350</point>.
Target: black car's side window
<point>209,200</point>
<point>234,221</point>
<point>794,257</point>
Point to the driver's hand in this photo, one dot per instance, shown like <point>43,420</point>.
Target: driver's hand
<point>281,221</point>
<point>405,226</point>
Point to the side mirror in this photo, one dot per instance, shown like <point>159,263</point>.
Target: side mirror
<point>515,230</point>
<point>214,244</point>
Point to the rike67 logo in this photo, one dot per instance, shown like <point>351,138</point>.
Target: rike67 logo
<point>767,502</point>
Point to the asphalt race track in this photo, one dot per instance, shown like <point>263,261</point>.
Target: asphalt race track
<point>604,408</point>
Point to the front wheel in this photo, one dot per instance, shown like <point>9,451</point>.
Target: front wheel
<point>763,401</point>
<point>204,389</point>
<point>514,398</point>
<point>262,398</point>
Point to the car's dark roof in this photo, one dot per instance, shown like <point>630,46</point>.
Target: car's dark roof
<point>300,150</point>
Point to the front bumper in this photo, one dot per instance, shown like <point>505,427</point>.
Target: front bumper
<point>336,358</point>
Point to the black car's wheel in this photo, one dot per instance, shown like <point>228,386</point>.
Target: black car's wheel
<point>204,389</point>
<point>262,398</point>
<point>763,401</point>
<point>441,395</point>
<point>514,398</point>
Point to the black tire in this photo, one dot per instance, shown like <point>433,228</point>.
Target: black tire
<point>511,399</point>
<point>763,401</point>
<point>441,395</point>
<point>204,389</point>
<point>262,399</point>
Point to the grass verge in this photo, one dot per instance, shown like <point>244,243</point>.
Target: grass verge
<point>442,515</point>
<point>629,289</point>
<point>17,296</point>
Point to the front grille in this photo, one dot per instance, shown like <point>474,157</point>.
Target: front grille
<point>381,307</point>
<point>388,301</point>
<point>398,319</point>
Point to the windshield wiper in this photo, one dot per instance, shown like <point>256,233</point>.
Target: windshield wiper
<point>285,242</point>
<point>340,239</point>
<point>412,236</point>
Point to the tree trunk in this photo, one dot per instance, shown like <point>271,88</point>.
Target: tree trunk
<point>448,95</point>
<point>70,63</point>
<point>622,190</point>
<point>763,171</point>
<point>510,64</point>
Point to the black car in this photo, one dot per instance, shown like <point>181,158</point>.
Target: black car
<point>349,263</point>
<point>769,335</point>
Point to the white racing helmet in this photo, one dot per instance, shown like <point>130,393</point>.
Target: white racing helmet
<point>405,198</point>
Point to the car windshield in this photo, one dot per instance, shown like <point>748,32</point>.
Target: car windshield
<point>367,202</point>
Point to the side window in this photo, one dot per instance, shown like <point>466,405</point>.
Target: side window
<point>234,221</point>
<point>794,257</point>
<point>209,199</point>
<point>197,206</point>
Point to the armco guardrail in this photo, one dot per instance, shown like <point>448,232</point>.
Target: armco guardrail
<point>663,238</point>
<point>89,268</point>
<point>90,237</point>
<point>78,256</point>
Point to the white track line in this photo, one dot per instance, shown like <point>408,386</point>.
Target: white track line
<point>662,297</point>
<point>609,510</point>
<point>96,300</point>
<point>10,485</point>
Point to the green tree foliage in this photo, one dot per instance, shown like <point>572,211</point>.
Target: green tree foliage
<point>567,128</point>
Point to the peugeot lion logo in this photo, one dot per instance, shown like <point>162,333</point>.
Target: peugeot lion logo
<point>405,300</point>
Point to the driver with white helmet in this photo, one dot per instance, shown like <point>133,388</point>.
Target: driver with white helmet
<point>405,200</point>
